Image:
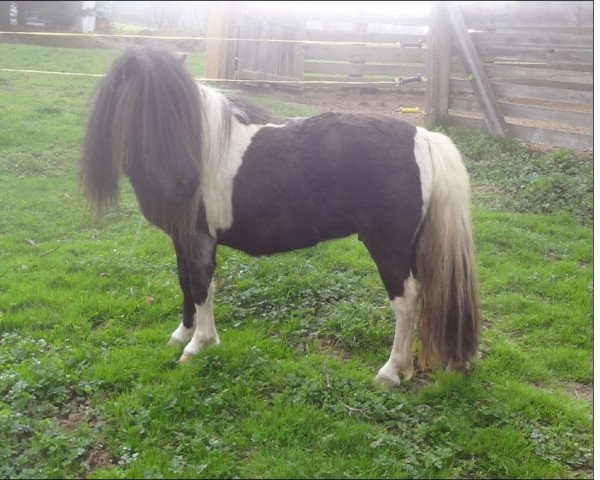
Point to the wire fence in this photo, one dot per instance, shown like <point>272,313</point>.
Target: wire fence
<point>399,44</point>
<point>395,81</point>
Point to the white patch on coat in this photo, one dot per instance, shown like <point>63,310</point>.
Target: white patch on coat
<point>442,169</point>
<point>182,334</point>
<point>205,332</point>
<point>405,311</point>
<point>442,175</point>
<point>224,142</point>
<point>424,162</point>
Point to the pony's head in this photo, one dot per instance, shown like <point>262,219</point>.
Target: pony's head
<point>146,124</point>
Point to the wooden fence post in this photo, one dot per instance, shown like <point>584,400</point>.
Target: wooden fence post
<point>439,55</point>
<point>494,119</point>
<point>220,54</point>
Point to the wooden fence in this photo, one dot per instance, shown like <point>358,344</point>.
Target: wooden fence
<point>373,48</point>
<point>342,47</point>
<point>521,69</point>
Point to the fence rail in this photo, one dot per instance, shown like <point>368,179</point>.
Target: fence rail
<point>538,63</point>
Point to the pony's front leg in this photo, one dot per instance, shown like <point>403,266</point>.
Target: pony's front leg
<point>184,332</point>
<point>200,262</point>
<point>206,332</point>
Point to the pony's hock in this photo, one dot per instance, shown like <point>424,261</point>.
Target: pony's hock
<point>211,170</point>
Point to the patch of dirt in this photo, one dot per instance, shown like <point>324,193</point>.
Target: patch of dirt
<point>581,390</point>
<point>98,458</point>
<point>583,474</point>
<point>334,348</point>
<point>82,412</point>
<point>356,100</point>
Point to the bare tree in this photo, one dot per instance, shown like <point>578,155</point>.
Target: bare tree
<point>165,15</point>
<point>199,18</point>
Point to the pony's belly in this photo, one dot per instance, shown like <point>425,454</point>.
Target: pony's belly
<point>267,239</point>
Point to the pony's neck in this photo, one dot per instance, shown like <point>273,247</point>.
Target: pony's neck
<point>224,141</point>
<point>217,124</point>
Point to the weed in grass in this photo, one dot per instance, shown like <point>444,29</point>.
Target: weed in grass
<point>526,181</point>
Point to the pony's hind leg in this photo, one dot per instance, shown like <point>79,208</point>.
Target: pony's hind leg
<point>391,250</point>
<point>401,361</point>
<point>205,332</point>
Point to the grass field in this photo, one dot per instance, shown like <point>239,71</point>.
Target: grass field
<point>89,388</point>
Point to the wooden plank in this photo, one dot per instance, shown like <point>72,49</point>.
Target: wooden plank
<point>520,29</point>
<point>530,112</point>
<point>476,124</point>
<point>352,53</point>
<point>529,70</point>
<point>259,75</point>
<point>271,59</point>
<point>504,71</point>
<point>298,53</point>
<point>493,53</point>
<point>480,83</point>
<point>524,91</point>
<point>540,82</point>
<point>246,54</point>
<point>562,40</point>
<point>566,67</point>
<point>256,76</point>
<point>529,14</point>
<point>533,67</point>
<point>360,27</point>
<point>418,88</point>
<point>333,68</point>
<point>545,136</point>
<point>438,66</point>
<point>367,37</point>
<point>578,141</point>
<point>220,58</point>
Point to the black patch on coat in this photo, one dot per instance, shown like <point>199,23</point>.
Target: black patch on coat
<point>328,177</point>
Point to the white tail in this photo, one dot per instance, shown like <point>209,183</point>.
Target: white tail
<point>449,314</point>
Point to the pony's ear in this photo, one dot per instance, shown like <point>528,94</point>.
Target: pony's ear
<point>182,58</point>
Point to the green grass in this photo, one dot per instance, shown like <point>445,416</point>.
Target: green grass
<point>88,387</point>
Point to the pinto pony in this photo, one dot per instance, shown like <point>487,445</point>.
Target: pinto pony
<point>211,170</point>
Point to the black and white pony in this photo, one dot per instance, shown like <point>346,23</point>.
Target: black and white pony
<point>209,170</point>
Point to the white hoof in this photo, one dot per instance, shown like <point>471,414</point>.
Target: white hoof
<point>181,335</point>
<point>196,344</point>
<point>387,381</point>
<point>389,376</point>
<point>185,358</point>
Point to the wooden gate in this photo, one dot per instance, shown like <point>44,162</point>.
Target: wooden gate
<point>248,53</point>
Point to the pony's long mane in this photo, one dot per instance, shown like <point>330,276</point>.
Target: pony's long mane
<point>151,118</point>
<point>146,119</point>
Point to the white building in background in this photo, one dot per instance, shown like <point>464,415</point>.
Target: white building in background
<point>87,24</point>
<point>98,20</point>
